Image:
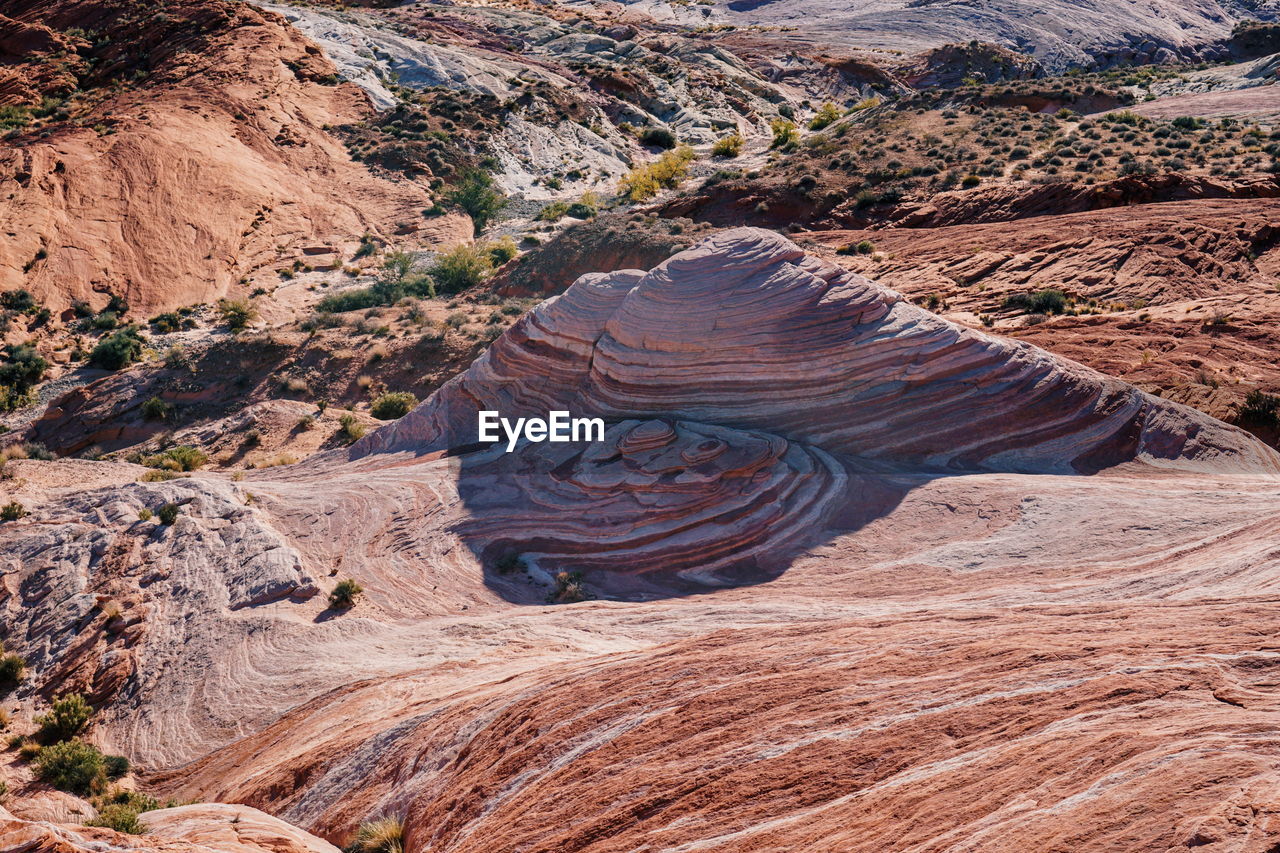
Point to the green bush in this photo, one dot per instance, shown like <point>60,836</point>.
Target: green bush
<point>553,212</point>
<point>36,450</point>
<point>117,351</point>
<point>344,594</point>
<point>67,718</point>
<point>585,207</point>
<point>396,281</point>
<point>163,324</point>
<point>501,251</point>
<point>460,268</point>
<point>236,313</point>
<point>120,817</point>
<point>475,194</point>
<point>658,137</point>
<point>184,457</point>
<point>826,114</point>
<point>392,405</point>
<point>668,170</point>
<point>728,146</point>
<point>351,428</point>
<point>116,766</point>
<point>72,766</point>
<point>1040,302</point>
<point>784,133</point>
<point>167,513</point>
<point>21,369</point>
<point>12,668</point>
<point>18,300</point>
<point>12,511</point>
<point>862,247</point>
<point>155,409</point>
<point>1260,408</point>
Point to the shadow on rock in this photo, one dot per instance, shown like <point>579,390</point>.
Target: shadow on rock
<point>658,508</point>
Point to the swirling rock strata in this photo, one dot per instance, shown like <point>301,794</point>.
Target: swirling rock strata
<point>746,331</point>
<point>653,496</point>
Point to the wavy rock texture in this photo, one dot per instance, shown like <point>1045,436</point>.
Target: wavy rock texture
<point>185,829</point>
<point>956,657</point>
<point>745,330</point>
<point>681,498</point>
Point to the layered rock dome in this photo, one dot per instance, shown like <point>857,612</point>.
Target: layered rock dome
<point>745,330</point>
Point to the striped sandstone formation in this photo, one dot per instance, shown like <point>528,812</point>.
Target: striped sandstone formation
<point>745,330</point>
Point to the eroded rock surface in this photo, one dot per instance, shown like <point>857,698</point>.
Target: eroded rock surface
<point>962,640</point>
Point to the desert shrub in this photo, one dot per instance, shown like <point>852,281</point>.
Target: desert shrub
<point>826,114</point>
<point>158,476</point>
<point>120,817</point>
<point>145,514</point>
<point>155,409</point>
<point>367,247</point>
<point>355,299</point>
<point>20,370</point>
<point>167,513</point>
<point>554,211</point>
<point>351,428</point>
<point>1260,408</point>
<point>66,718</point>
<point>117,351</point>
<point>384,835</point>
<point>12,668</point>
<point>648,180</point>
<point>115,766</point>
<point>396,281</point>
<point>475,194</point>
<point>162,324</point>
<point>460,268</point>
<point>970,181</point>
<point>501,251</point>
<point>1048,301</point>
<point>344,594</point>
<point>658,137</point>
<point>183,457</point>
<point>18,300</point>
<point>73,766</point>
<point>862,247</point>
<point>785,134</point>
<point>392,405</point>
<point>585,207</point>
<point>728,146</point>
<point>36,450</point>
<point>12,511</point>
<point>569,588</point>
<point>236,313</point>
